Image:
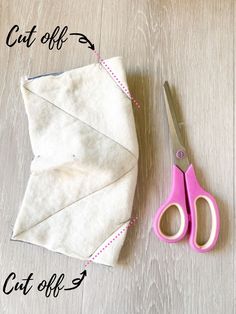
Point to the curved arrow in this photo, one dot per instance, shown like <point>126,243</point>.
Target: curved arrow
<point>84,40</point>
<point>77,281</point>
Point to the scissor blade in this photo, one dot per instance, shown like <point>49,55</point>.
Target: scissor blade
<point>179,152</point>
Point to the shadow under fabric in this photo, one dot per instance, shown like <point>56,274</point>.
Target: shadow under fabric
<point>83,175</point>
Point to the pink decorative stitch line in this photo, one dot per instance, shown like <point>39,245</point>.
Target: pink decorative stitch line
<point>119,233</point>
<point>116,79</point>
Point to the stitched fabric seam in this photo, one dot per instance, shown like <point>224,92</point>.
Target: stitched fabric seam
<point>83,122</point>
<point>96,191</point>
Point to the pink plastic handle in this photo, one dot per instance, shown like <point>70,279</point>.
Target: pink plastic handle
<point>195,192</point>
<point>177,198</point>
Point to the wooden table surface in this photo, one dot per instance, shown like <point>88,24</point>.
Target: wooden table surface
<point>192,45</point>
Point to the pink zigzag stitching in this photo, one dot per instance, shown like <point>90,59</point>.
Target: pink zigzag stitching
<point>116,79</point>
<point>110,242</point>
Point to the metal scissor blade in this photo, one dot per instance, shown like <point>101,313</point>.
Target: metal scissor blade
<point>179,152</point>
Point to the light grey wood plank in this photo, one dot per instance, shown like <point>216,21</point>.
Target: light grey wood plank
<point>197,59</point>
<point>234,143</point>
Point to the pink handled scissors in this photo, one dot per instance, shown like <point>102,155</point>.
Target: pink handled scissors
<point>185,191</point>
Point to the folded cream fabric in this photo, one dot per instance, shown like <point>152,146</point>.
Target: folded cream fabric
<point>83,175</point>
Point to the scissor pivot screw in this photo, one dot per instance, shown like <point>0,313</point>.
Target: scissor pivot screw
<point>180,154</point>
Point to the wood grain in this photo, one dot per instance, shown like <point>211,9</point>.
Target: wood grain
<point>192,45</point>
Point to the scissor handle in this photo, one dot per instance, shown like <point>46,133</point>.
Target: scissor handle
<point>196,192</point>
<point>176,198</point>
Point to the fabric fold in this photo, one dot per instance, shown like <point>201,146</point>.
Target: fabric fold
<point>84,171</point>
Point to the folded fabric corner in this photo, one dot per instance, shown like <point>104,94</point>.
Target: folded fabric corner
<point>84,171</point>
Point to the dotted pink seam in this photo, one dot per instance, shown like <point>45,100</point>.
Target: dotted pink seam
<point>132,220</point>
<point>116,79</point>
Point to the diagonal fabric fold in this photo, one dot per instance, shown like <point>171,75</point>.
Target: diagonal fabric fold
<point>84,171</point>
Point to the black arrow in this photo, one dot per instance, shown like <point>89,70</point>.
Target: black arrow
<point>77,281</point>
<point>84,40</point>
<point>84,273</point>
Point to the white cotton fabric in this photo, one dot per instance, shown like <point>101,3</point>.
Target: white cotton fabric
<point>83,175</point>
